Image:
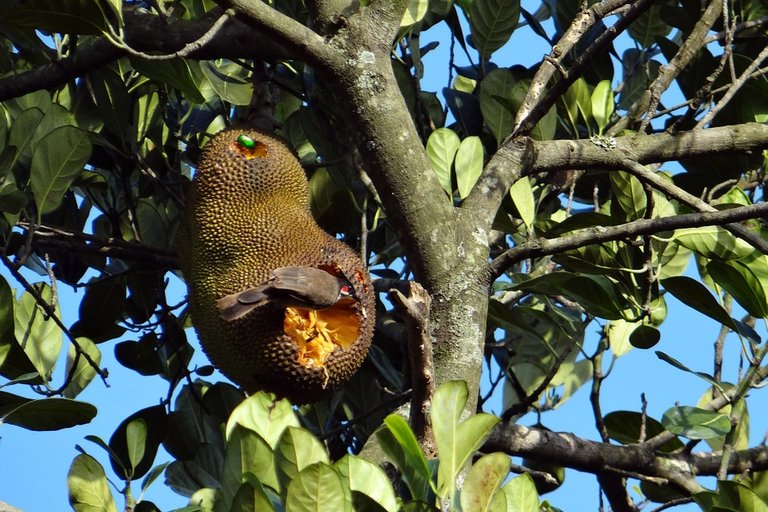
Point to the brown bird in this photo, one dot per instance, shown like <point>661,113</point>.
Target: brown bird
<point>288,287</point>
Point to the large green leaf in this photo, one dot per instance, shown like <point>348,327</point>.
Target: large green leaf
<point>7,342</point>
<point>742,284</point>
<point>38,334</point>
<point>602,104</point>
<point>518,495</point>
<point>136,440</point>
<point>246,452</point>
<point>695,295</point>
<point>629,194</point>
<point>626,426</point>
<point>316,488</point>
<point>297,450</point>
<point>485,477</point>
<point>492,23</point>
<point>44,414</point>
<point>442,146</point>
<point>469,164</point>
<point>57,159</point>
<point>596,294</point>
<point>522,195</point>
<point>713,242</point>
<point>362,476</point>
<point>455,441</point>
<point>175,73</point>
<point>400,445</point>
<point>88,487</point>
<point>264,415</point>
<point>695,423</point>
<point>500,97</point>
<point>64,16</point>
<point>577,99</point>
<point>649,27</point>
<point>22,133</point>
<point>229,80</point>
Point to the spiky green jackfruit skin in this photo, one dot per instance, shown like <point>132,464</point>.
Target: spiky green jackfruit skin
<point>248,212</point>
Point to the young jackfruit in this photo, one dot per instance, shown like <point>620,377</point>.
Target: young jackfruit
<point>249,241</point>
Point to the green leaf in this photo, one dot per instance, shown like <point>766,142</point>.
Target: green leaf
<point>602,104</point>
<point>229,80</point>
<point>644,337</point>
<point>485,477</point>
<point>251,497</point>
<point>136,439</point>
<point>625,427</point>
<point>264,415</point>
<point>522,196</point>
<point>22,132</point>
<point>649,27</point>
<point>362,476</point>
<point>175,73</point>
<point>455,442</point>
<point>297,450</point>
<point>57,159</point>
<point>83,373</point>
<point>597,294</point>
<point>713,242</point>
<point>315,489</point>
<point>469,164</point>
<point>37,334</point>
<point>742,284</point>
<point>66,17</point>
<point>414,12</point>
<point>518,495</point>
<point>629,194</point>
<point>246,452</point>
<point>500,97</point>
<point>153,475</point>
<point>492,23</point>
<point>578,100</point>
<point>680,366</point>
<point>695,423</point>
<point>45,414</point>
<point>442,146</point>
<point>134,446</point>
<point>88,488</point>
<point>400,445</point>
<point>695,295</point>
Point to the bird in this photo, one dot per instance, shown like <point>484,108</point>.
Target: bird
<point>288,287</point>
<point>278,303</point>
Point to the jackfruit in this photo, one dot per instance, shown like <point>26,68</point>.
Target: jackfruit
<point>247,224</point>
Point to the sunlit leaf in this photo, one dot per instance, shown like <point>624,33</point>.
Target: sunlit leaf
<point>483,480</point>
<point>742,284</point>
<point>602,104</point>
<point>316,488</point>
<point>88,487</point>
<point>629,193</point>
<point>456,441</point>
<point>402,448</point>
<point>414,12</point>
<point>264,415</point>
<point>518,495</point>
<point>695,423</point>
<point>492,23</point>
<point>469,164</point>
<point>38,334</point>
<point>297,450</point>
<point>522,196</point>
<point>442,146</point>
<point>57,159</point>
<point>362,476</point>
<point>713,242</point>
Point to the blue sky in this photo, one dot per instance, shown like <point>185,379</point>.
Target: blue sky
<point>33,465</point>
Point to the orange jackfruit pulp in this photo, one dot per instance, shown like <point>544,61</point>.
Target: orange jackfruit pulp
<point>318,332</point>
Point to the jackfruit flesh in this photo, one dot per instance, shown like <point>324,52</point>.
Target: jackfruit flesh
<point>247,214</point>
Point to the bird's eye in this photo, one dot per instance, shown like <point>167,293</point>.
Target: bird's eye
<point>346,290</point>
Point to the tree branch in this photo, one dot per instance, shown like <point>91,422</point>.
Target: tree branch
<point>601,234</point>
<point>149,34</point>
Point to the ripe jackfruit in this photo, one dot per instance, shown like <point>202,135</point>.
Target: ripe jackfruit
<point>247,219</point>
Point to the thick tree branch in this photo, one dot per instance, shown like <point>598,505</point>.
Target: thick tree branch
<point>547,246</point>
<point>149,34</point>
<point>554,155</point>
<point>569,450</point>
